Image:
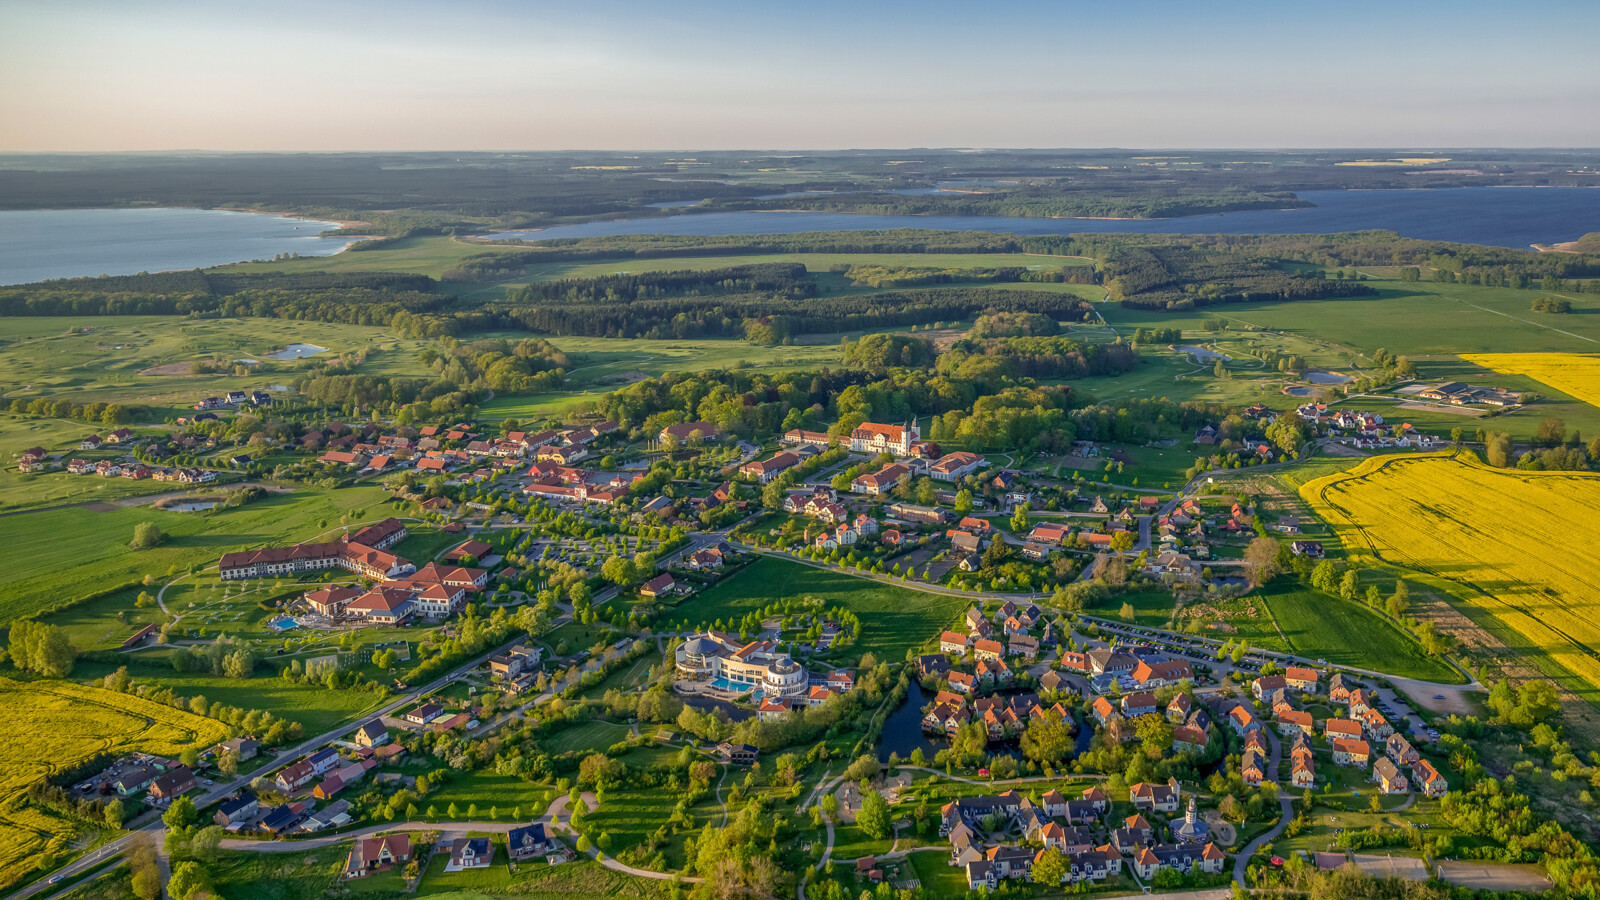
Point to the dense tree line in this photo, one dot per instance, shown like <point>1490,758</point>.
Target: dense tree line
<point>879,276</point>
<point>771,319</point>
<point>786,279</point>
<point>1004,325</point>
<point>882,351</point>
<point>495,264</point>
<point>1036,357</point>
<point>1183,278</point>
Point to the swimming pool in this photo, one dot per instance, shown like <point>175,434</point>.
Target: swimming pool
<point>283,624</point>
<point>723,683</point>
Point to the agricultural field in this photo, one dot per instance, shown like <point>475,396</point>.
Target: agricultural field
<point>1575,374</point>
<point>56,724</point>
<point>1507,547</point>
<point>893,619</point>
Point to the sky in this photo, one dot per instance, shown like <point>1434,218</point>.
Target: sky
<point>158,75</point>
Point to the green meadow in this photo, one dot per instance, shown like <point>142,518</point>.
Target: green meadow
<point>76,552</point>
<point>893,619</point>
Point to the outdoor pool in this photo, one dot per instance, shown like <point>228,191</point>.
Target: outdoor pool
<point>283,624</point>
<point>723,683</point>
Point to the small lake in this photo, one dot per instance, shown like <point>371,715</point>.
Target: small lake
<point>1503,217</point>
<point>41,244</point>
<point>1299,392</point>
<point>191,506</point>
<point>1203,354</point>
<point>298,351</point>
<point>1328,378</point>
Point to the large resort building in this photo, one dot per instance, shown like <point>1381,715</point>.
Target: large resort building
<point>364,553</point>
<point>730,666</point>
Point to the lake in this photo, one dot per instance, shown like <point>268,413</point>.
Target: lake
<point>68,243</point>
<point>1503,217</point>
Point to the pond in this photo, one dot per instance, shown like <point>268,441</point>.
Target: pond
<point>191,506</point>
<point>1299,392</point>
<point>1504,217</point>
<point>1203,354</point>
<point>1328,378</point>
<point>902,732</point>
<point>298,351</point>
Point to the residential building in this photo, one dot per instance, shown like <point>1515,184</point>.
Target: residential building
<point>471,853</point>
<point>528,841</point>
<point>1351,752</point>
<point>1387,776</point>
<point>374,854</point>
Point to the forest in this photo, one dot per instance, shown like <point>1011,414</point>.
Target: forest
<point>398,194</point>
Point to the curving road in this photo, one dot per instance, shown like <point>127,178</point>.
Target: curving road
<point>1241,863</point>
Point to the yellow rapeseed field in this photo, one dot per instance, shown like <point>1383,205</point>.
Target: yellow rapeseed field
<point>55,724</point>
<point>1520,546</point>
<point>1576,374</point>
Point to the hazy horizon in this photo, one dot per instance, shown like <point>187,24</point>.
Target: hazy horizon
<point>497,76</point>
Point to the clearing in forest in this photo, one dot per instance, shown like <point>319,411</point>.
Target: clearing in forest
<point>1512,547</point>
<point>1574,374</point>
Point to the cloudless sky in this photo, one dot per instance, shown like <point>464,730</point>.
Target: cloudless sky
<point>812,74</point>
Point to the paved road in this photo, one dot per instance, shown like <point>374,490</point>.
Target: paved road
<point>1241,863</point>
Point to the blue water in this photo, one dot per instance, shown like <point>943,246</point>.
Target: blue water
<point>38,244</point>
<point>1504,217</point>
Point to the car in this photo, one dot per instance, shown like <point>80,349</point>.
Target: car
<point>1438,696</point>
<point>54,879</point>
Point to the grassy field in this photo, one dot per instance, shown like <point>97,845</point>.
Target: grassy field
<point>582,879</point>
<point>1574,374</point>
<point>1347,634</point>
<point>486,790</point>
<point>76,552</point>
<point>1431,324</point>
<point>421,255</point>
<point>57,724</point>
<point>1507,546</point>
<point>39,357</point>
<point>893,619</point>
<point>592,736</point>
<point>1151,609</point>
<point>312,705</point>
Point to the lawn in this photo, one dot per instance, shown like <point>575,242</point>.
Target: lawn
<point>1502,544</point>
<point>582,879</point>
<point>591,736</point>
<point>1151,609</point>
<point>893,619</point>
<point>1348,634</point>
<point>488,791</point>
<point>243,875</point>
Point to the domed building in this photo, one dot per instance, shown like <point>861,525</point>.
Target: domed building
<point>735,668</point>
